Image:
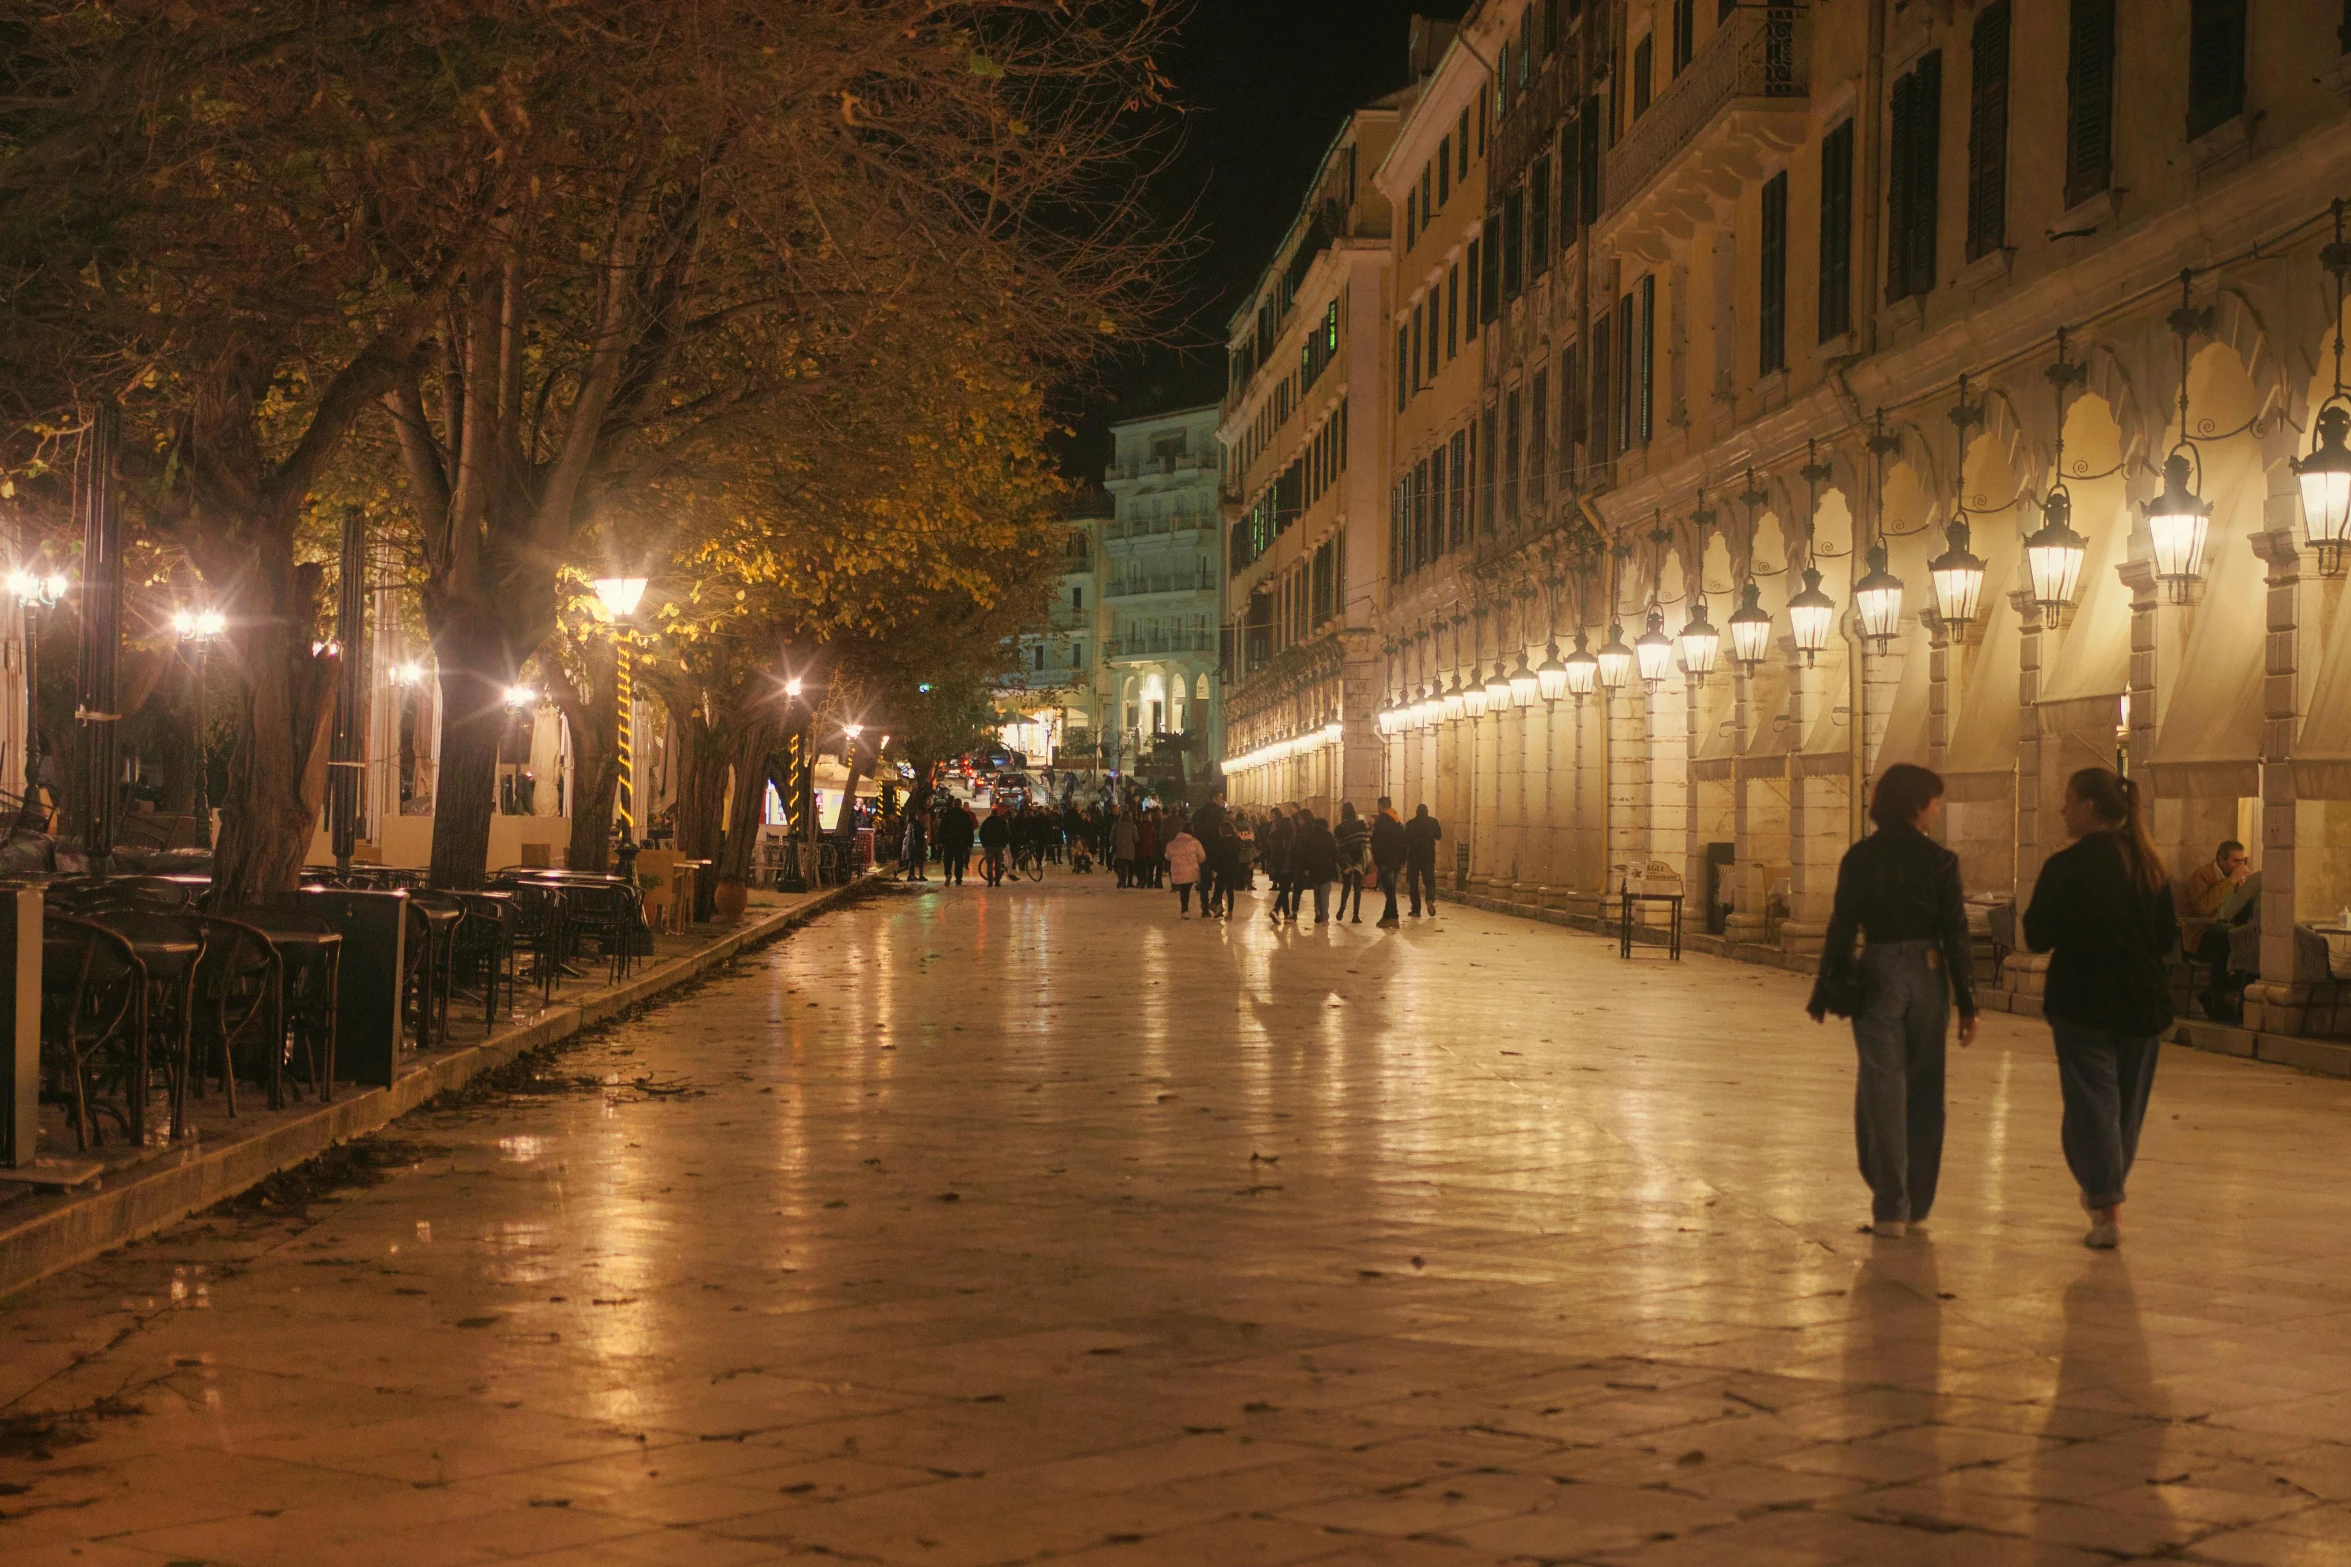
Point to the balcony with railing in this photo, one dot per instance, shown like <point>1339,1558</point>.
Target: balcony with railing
<point>1153,644</point>
<point>1744,98</point>
<point>1163,466</point>
<point>1155,527</point>
<point>1136,584</point>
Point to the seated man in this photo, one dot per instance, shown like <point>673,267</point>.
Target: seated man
<point>2224,990</point>
<point>2204,889</point>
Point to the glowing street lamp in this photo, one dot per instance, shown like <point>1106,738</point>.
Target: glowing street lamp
<point>1526,687</point>
<point>1750,629</point>
<point>1616,660</point>
<point>1957,577</point>
<point>1551,679</point>
<point>1701,643</point>
<point>1583,670</point>
<point>197,628</point>
<point>1498,692</point>
<point>1653,650</point>
<point>1812,614</point>
<point>1877,599</point>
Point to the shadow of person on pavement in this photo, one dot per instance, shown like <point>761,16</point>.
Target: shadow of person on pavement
<point>2104,1372</point>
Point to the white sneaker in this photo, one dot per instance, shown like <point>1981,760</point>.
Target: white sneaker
<point>1886,1229</point>
<point>2104,1236</point>
<point>1184,915</point>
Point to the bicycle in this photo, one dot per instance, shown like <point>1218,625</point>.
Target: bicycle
<point>1030,861</point>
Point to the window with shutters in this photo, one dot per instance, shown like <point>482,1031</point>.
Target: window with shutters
<point>1645,396</point>
<point>1526,46</point>
<point>2216,64</point>
<point>1987,132</point>
<point>1588,153</point>
<point>1539,217</point>
<point>1411,219</point>
<point>1571,411</point>
<point>1685,33</point>
<point>1444,170</point>
<point>1601,398</point>
<point>1436,342</point>
<point>2089,100</point>
<point>1416,347</point>
<point>1486,475</point>
<point>1502,83</point>
<point>1550,27</point>
<point>1643,54</point>
<point>1452,311</point>
<point>1771,347</point>
<point>1510,458</point>
<point>1490,279</point>
<point>1437,485</point>
<point>1420,511</point>
<point>1538,437</point>
<point>1836,232</point>
<point>1428,185</point>
<point>1469,284</point>
<point>1514,241</point>
<point>1911,178</point>
<point>1571,198</point>
<point>1403,366</point>
<point>1628,373</point>
<point>1457,503</point>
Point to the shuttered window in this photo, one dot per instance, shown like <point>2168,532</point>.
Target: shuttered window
<point>1571,412</point>
<point>1511,457</point>
<point>1645,394</point>
<point>1685,33</point>
<point>1600,384</point>
<point>2089,101</point>
<point>1987,132</point>
<point>1643,53</point>
<point>1490,280</point>
<point>1457,507</point>
<point>1539,438</point>
<point>1571,196</point>
<point>1911,182</point>
<point>2216,64</point>
<point>1588,153</point>
<point>1539,218</point>
<point>1471,277</point>
<point>1772,315</point>
<point>1514,241</point>
<point>1486,477</point>
<point>1836,232</point>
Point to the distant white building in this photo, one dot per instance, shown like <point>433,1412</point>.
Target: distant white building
<point>1160,583</point>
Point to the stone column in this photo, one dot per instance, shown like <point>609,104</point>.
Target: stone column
<point>1627,786</point>
<point>1548,887</point>
<point>1808,902</point>
<point>2035,644</point>
<point>1693,841</point>
<point>2280,1001</point>
<point>1746,923</point>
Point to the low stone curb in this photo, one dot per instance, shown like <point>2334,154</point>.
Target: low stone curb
<point>2319,1057</point>
<point>133,1205</point>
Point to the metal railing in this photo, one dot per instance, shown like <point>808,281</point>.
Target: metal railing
<point>1142,582</point>
<point>1146,643</point>
<point>1149,467</point>
<point>1761,52</point>
<point>1155,527</point>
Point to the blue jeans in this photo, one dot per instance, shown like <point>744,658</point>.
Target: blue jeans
<point>1898,1097</point>
<point>2106,1078</point>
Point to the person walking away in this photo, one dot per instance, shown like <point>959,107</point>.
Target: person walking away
<point>2103,912</point>
<point>1273,853</point>
<point>995,838</point>
<point>1314,862</point>
<point>1421,837</point>
<point>1389,847</point>
<point>1185,855</point>
<point>915,856</point>
<point>956,826</point>
<point>1123,836</point>
<point>1352,839</point>
<point>1147,849</point>
<point>1899,890</point>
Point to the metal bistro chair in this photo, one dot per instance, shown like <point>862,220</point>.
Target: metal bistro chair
<point>310,957</point>
<point>609,912</point>
<point>484,945</point>
<point>240,982</point>
<point>432,930</point>
<point>93,1006</point>
<point>538,929</point>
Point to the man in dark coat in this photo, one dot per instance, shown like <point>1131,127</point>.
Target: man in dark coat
<point>995,838</point>
<point>1388,849</point>
<point>956,826</point>
<point>1421,835</point>
<point>1314,862</point>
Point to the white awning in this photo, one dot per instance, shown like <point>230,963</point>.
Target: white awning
<point>2208,741</point>
<point>2322,748</point>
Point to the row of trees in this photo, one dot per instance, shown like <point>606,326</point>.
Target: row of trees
<point>765,299</point>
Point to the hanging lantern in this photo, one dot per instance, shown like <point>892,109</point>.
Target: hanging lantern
<point>1750,629</point>
<point>1653,650</point>
<point>1455,702</point>
<point>1701,643</point>
<point>2178,523</point>
<point>1616,661</point>
<point>1525,686</point>
<point>1877,599</point>
<point>1583,670</point>
<point>1428,708</point>
<point>1812,615</point>
<point>1958,579</point>
<point>1473,697</point>
<point>1498,694</point>
<point>1551,678</point>
<point>2325,476</point>
<point>2053,556</point>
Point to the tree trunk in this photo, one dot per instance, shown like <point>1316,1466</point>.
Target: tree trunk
<point>752,747</point>
<point>594,717</point>
<point>701,789</point>
<point>474,673</point>
<point>270,810</point>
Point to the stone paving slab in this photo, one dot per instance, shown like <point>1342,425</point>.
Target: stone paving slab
<point>146,1189</point>
<point>1033,1224</point>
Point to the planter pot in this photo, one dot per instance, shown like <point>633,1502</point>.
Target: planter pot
<point>730,899</point>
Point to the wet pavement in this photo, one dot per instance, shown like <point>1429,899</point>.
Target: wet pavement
<point>971,1227</point>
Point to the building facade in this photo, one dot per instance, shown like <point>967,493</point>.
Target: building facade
<point>1158,704</point>
<point>1050,694</point>
<point>1305,438</point>
<point>1821,411</point>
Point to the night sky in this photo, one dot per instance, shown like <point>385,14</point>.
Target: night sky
<point>1262,85</point>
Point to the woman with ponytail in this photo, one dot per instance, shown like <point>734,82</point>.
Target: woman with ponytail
<point>2102,910</point>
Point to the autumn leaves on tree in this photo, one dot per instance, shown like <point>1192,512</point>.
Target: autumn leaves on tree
<point>763,299</point>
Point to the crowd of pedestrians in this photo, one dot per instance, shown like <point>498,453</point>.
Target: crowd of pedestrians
<point>1205,855</point>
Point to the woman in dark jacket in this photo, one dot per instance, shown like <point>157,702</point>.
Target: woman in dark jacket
<point>1899,889</point>
<point>2102,910</point>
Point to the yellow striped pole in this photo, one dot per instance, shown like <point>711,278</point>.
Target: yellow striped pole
<point>622,691</point>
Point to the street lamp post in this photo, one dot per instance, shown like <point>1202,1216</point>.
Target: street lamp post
<point>196,629</point>
<point>35,593</point>
<point>620,597</point>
